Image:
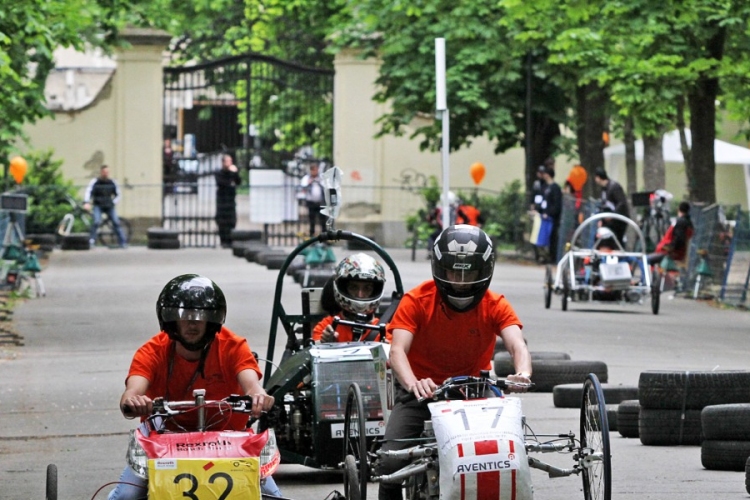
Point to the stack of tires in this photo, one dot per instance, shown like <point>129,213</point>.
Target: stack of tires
<point>272,258</point>
<point>551,369</point>
<point>726,437</point>
<point>628,412</point>
<point>46,242</point>
<point>160,238</point>
<point>244,238</point>
<point>671,403</point>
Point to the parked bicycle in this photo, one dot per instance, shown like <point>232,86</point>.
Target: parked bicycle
<point>79,220</point>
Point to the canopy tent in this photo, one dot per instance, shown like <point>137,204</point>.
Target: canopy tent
<point>724,154</point>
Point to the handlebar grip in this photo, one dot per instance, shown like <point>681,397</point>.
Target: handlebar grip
<point>127,410</point>
<point>405,398</point>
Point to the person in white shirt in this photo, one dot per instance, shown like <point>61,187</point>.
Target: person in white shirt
<point>312,187</point>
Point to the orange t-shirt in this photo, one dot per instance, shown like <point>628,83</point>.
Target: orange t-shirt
<point>448,343</point>
<point>344,331</point>
<point>228,355</point>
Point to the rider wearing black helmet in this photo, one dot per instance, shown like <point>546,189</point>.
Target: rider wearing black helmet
<point>193,351</point>
<point>447,327</point>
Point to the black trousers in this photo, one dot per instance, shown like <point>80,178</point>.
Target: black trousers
<point>315,217</point>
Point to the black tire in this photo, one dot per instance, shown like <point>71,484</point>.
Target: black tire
<point>597,479</point>
<point>747,475</point>
<point>674,390</point>
<point>726,422</point>
<point>275,261</point>
<point>356,446</point>
<point>162,233</point>
<point>569,395</point>
<point>246,235</point>
<point>163,244</point>
<point>51,486</point>
<point>351,479</point>
<point>627,418</point>
<point>107,236</point>
<point>45,241</point>
<point>238,248</point>
<point>503,363</point>
<point>75,241</point>
<point>547,373</point>
<point>314,278</point>
<point>669,427</point>
<point>295,265</point>
<point>271,253</point>
<point>725,455</point>
<point>548,285</point>
<point>252,248</point>
<point>655,292</point>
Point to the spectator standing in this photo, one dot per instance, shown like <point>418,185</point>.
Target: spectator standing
<point>552,209</point>
<point>613,200</point>
<point>574,185</point>
<point>537,190</point>
<point>227,180</point>
<point>675,241</point>
<point>103,194</point>
<point>468,214</point>
<point>312,187</point>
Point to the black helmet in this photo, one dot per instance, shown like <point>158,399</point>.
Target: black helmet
<point>191,297</point>
<point>463,261</point>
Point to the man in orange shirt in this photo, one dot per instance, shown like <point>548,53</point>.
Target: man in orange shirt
<point>357,287</point>
<point>193,351</point>
<point>447,327</point>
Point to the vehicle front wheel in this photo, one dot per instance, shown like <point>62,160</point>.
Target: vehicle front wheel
<point>548,285</point>
<point>356,465</point>
<point>51,482</point>
<point>594,454</point>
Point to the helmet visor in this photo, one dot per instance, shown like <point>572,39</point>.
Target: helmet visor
<point>182,314</point>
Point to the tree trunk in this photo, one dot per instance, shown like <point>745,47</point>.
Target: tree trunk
<point>654,176</point>
<point>544,132</point>
<point>702,101</point>
<point>630,160</point>
<point>591,107</point>
<point>687,154</point>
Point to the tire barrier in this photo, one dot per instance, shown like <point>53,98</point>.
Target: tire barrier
<point>159,238</point>
<point>547,373</point>
<point>75,241</point>
<point>569,395</point>
<point>726,432</point>
<point>503,363</point>
<point>672,401</point>
<point>627,418</point>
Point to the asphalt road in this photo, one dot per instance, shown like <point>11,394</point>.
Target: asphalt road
<point>59,392</point>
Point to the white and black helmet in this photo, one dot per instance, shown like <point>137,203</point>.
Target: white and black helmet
<point>463,260</point>
<point>358,267</point>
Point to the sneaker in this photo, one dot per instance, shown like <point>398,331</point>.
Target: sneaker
<point>92,243</point>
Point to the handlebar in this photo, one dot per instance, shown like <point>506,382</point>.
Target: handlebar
<point>359,327</point>
<point>162,407</point>
<point>467,387</point>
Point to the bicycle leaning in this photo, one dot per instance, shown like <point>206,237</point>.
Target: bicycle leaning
<point>77,223</point>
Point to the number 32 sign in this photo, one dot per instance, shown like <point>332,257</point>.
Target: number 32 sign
<point>198,479</point>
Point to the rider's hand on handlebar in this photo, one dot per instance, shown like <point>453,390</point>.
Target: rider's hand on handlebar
<point>137,406</point>
<point>423,388</point>
<point>522,379</point>
<point>329,335</point>
<point>261,403</point>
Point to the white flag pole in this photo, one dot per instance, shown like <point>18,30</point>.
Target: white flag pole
<point>442,109</point>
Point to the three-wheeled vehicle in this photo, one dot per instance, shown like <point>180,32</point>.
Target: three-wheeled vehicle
<point>597,268</point>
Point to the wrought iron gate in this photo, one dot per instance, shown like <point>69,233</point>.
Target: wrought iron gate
<point>263,111</point>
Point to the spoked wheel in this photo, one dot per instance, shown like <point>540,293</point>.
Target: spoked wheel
<point>548,285</point>
<point>51,482</point>
<point>594,454</point>
<point>655,292</point>
<point>356,466</point>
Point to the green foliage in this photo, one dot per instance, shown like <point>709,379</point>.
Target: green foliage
<point>504,213</point>
<point>48,193</point>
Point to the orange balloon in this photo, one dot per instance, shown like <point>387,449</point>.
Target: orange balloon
<point>477,172</point>
<point>18,168</point>
<point>577,177</point>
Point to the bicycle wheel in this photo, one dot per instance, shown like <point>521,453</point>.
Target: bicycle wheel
<point>594,454</point>
<point>357,473</point>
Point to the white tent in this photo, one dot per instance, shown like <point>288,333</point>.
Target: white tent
<point>724,154</point>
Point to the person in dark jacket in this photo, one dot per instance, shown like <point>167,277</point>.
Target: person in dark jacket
<point>103,194</point>
<point>613,200</point>
<point>551,208</point>
<point>227,180</point>
<point>676,239</point>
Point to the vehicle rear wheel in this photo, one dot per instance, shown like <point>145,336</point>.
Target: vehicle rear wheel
<point>655,292</point>
<point>566,288</point>
<point>548,284</point>
<point>51,482</point>
<point>355,446</point>
<point>594,453</point>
